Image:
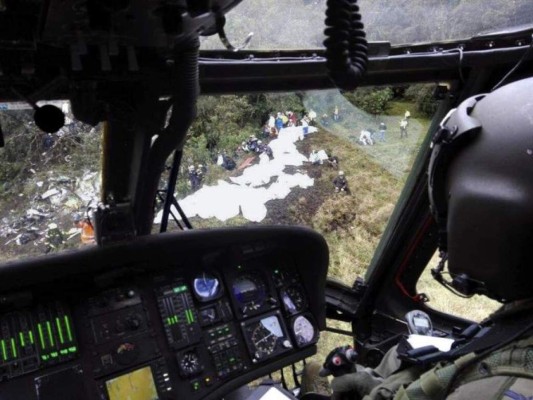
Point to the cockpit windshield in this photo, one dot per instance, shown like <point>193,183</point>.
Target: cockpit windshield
<point>298,24</point>
<point>332,161</point>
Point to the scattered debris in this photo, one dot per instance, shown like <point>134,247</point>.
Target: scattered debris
<point>49,193</point>
<point>48,220</point>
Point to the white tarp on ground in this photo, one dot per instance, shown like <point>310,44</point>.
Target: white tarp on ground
<point>258,184</point>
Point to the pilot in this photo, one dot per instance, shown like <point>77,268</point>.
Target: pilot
<point>481,196</point>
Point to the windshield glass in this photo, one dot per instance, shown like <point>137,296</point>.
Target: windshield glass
<point>335,162</point>
<point>299,24</point>
<point>48,183</point>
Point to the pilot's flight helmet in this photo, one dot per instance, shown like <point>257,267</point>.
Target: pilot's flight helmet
<point>481,193</point>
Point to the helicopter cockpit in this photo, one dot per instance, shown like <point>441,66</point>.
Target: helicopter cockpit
<point>200,313</point>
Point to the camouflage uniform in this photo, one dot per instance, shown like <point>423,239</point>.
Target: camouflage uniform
<point>503,374</point>
<point>54,238</point>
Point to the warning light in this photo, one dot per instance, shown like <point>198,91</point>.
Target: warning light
<point>179,289</point>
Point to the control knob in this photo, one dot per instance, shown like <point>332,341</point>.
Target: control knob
<point>133,322</point>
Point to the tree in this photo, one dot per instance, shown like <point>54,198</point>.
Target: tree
<point>371,100</point>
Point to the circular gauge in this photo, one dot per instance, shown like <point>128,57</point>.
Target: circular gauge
<point>304,331</point>
<point>209,315</point>
<point>249,291</point>
<point>189,364</point>
<point>266,337</point>
<point>293,299</point>
<point>206,286</point>
<point>264,341</point>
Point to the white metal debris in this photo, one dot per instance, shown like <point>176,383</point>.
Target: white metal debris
<point>248,193</point>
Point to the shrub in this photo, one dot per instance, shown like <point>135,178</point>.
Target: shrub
<point>371,100</point>
<point>423,96</point>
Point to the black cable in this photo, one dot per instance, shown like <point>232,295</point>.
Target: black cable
<point>220,23</point>
<point>518,64</point>
<point>346,45</point>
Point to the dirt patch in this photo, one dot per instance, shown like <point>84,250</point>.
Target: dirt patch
<point>301,205</point>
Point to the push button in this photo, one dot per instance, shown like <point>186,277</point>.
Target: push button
<point>195,386</point>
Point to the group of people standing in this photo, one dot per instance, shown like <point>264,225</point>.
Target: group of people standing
<point>255,145</point>
<point>286,119</point>
<point>369,137</point>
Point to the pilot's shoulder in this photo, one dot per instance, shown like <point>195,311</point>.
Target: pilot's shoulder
<point>495,388</point>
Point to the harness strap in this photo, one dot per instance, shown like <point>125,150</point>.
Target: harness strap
<point>514,360</point>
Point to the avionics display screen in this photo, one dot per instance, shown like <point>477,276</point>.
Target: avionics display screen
<point>137,385</point>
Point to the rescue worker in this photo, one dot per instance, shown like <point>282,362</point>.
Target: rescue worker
<point>481,197</point>
<point>305,126</point>
<point>202,169</point>
<point>252,143</point>
<point>340,182</point>
<point>284,119</point>
<point>382,131</point>
<point>54,238</point>
<point>265,131</point>
<point>403,128</point>
<point>365,138</point>
<point>279,123</point>
<point>86,227</point>
<point>293,119</point>
<point>312,117</point>
<point>268,151</point>
<point>271,122</point>
<point>193,178</point>
<point>333,161</point>
<point>314,158</point>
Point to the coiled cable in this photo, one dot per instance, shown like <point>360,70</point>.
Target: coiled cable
<point>346,45</point>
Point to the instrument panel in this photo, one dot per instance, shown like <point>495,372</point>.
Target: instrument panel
<point>155,321</point>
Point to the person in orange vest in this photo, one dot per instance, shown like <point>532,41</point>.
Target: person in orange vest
<point>87,229</point>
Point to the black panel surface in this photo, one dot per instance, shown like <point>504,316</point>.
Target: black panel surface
<point>189,315</point>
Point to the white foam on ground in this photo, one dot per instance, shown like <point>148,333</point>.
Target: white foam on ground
<point>248,193</point>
